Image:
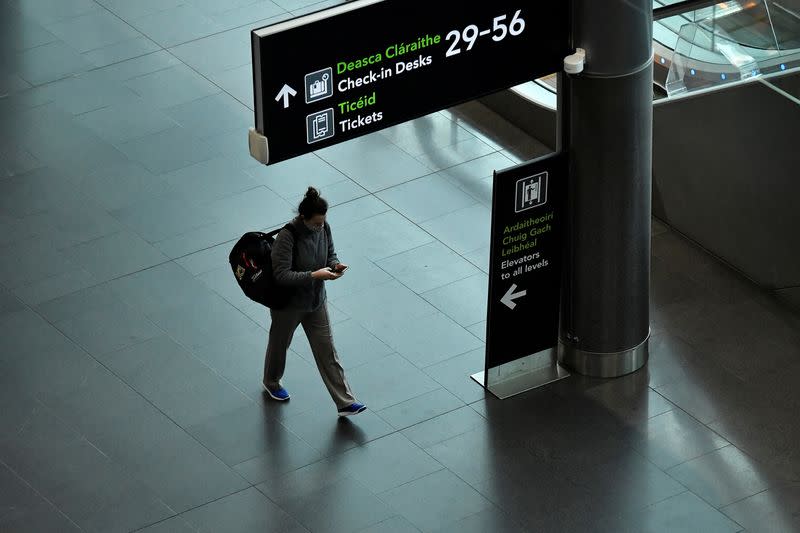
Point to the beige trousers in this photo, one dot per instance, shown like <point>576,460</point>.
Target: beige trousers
<point>318,330</point>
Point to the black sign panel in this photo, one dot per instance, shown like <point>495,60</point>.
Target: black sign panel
<point>525,259</point>
<point>360,67</point>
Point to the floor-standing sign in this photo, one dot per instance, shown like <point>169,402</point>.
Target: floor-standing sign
<point>343,72</point>
<point>525,265</point>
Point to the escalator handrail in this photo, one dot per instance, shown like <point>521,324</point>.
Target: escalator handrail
<point>681,8</point>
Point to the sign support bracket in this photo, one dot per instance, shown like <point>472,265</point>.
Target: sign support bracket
<point>522,375</point>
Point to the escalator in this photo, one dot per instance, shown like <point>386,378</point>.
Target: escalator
<point>724,43</point>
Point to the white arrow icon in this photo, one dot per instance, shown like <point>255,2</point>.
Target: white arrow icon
<point>509,297</point>
<point>285,93</point>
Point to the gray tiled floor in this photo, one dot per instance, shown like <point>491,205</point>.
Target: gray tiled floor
<point>131,363</point>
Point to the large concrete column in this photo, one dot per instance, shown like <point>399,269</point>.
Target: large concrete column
<point>607,128</point>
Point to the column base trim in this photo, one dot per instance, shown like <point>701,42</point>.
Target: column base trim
<point>603,365</point>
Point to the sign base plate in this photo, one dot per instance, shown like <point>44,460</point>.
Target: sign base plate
<point>522,375</point>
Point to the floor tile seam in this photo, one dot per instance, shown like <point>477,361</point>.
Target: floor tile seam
<point>147,400</point>
<point>396,351</point>
<point>129,24</point>
<point>56,41</point>
<point>13,286</point>
<point>142,396</point>
<point>645,508</point>
<point>677,406</point>
<point>79,53</point>
<point>242,311</point>
<point>769,483</point>
<point>613,515</point>
<point>283,509</point>
<point>125,80</point>
<point>72,16</point>
<point>681,336</point>
<point>465,328</point>
<point>655,390</point>
<point>38,493</point>
<point>88,111</point>
<point>213,223</point>
<point>417,478</point>
<point>346,476</point>
<point>482,348</point>
<point>433,239</point>
<point>123,228</point>
<point>189,350</point>
<point>520,526</point>
<point>48,82</point>
<point>232,194</point>
<point>179,63</point>
<point>100,9</point>
<point>775,478</point>
<point>715,259</point>
<point>220,90</point>
<point>401,429</point>
<point>421,295</point>
<point>118,144</point>
<point>231,242</point>
<point>312,7</point>
<point>169,48</point>
<point>297,198</point>
<point>201,205</point>
<point>727,409</point>
<point>387,521</point>
<point>434,149</point>
<point>132,273</point>
<point>647,460</point>
<point>213,34</point>
<point>79,438</point>
<point>281,422</point>
<point>352,200</point>
<point>453,282</point>
<point>234,493</point>
<point>326,456</point>
<point>740,500</point>
<point>382,495</point>
<point>712,506</point>
<point>429,174</point>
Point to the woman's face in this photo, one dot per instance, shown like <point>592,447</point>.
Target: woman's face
<point>315,223</point>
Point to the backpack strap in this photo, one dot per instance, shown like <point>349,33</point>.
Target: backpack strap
<point>328,235</point>
<point>289,226</point>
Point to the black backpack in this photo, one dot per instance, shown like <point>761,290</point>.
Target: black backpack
<point>251,262</point>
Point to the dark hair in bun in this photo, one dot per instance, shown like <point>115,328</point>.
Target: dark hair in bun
<point>312,204</point>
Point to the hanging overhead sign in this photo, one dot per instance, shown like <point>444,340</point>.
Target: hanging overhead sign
<point>343,72</point>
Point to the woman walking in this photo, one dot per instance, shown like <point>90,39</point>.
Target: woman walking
<point>304,259</point>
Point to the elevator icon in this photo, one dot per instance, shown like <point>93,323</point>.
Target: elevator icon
<point>531,192</point>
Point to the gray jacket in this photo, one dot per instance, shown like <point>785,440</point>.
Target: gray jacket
<point>293,262</point>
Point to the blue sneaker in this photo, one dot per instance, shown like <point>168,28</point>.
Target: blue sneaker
<point>279,394</point>
<point>352,409</point>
